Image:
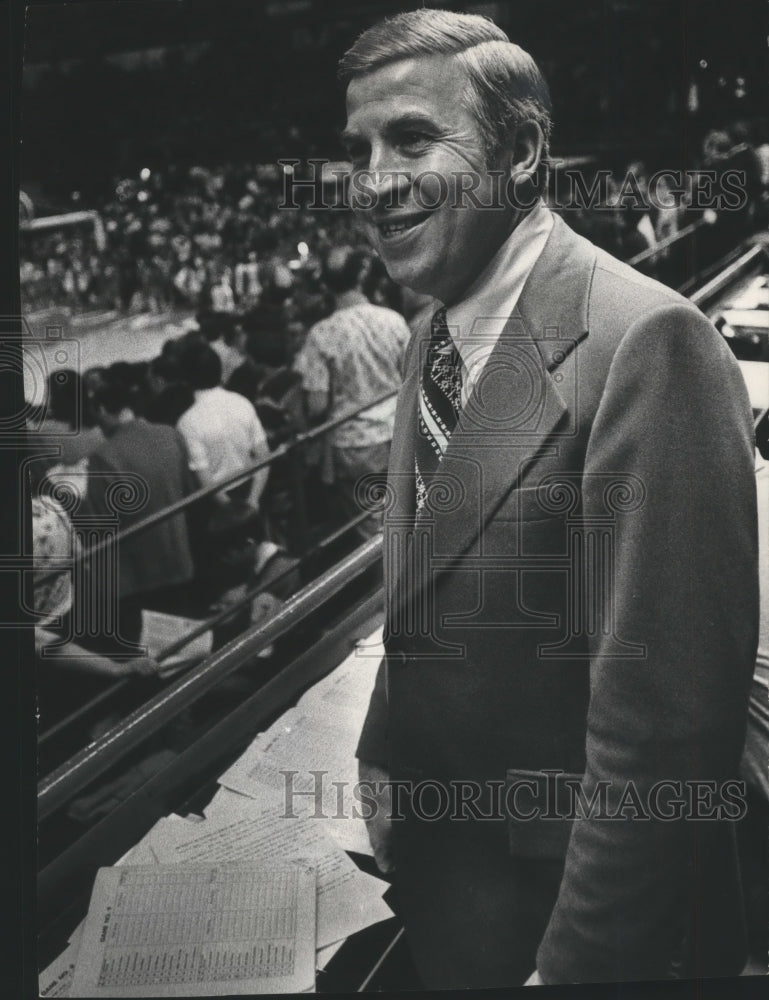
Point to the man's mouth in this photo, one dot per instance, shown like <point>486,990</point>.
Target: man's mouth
<point>390,228</point>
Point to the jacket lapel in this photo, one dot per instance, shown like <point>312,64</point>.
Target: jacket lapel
<point>511,413</point>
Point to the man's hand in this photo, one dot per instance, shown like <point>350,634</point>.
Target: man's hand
<point>379,825</point>
<point>534,980</point>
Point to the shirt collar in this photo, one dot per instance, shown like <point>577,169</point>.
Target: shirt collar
<point>493,295</point>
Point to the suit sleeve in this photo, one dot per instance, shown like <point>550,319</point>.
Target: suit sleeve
<point>675,416</point>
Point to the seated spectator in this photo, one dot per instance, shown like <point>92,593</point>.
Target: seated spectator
<point>632,231</point>
<point>724,153</point>
<point>155,564</point>
<point>745,160</point>
<point>637,233</point>
<point>132,375</point>
<point>190,281</point>
<point>67,674</point>
<point>222,431</point>
<point>268,343</point>
<point>668,213</point>
<point>92,379</point>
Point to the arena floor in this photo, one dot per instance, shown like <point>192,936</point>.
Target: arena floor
<point>56,339</point>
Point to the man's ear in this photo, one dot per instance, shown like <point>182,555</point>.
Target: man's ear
<point>525,163</point>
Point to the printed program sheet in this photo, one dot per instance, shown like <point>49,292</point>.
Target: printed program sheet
<point>198,930</point>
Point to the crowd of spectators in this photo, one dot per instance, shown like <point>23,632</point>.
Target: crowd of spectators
<point>142,441</point>
<point>645,205</point>
<point>192,238</point>
<point>182,238</point>
<point>214,402</point>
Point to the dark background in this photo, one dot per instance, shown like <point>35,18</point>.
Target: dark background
<point>112,87</point>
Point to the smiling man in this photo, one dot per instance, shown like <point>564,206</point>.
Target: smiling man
<point>569,551</point>
<point>426,168</point>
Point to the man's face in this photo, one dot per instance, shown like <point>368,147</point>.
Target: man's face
<point>410,117</point>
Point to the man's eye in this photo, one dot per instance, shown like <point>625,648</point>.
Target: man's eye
<point>414,139</point>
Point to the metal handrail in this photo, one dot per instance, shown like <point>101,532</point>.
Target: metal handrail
<point>203,626</point>
<point>639,258</point>
<point>306,437</point>
<point>57,788</point>
<point>721,280</point>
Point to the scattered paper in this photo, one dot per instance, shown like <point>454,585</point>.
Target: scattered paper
<point>348,899</point>
<point>56,980</point>
<point>226,802</point>
<point>198,930</point>
<point>324,955</point>
<point>305,761</point>
<point>308,758</point>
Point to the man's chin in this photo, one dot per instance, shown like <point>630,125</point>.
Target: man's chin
<point>408,274</point>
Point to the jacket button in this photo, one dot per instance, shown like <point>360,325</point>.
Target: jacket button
<point>400,658</point>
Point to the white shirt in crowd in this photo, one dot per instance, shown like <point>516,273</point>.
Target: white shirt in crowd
<point>224,435</point>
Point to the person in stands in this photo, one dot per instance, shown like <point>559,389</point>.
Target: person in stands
<point>351,358</point>
<point>151,459</point>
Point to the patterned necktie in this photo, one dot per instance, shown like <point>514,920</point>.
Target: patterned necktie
<point>440,400</point>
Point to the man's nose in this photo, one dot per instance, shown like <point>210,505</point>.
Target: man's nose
<point>391,183</point>
<point>387,181</point>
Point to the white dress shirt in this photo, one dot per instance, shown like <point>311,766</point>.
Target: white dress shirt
<point>477,321</point>
<point>223,435</point>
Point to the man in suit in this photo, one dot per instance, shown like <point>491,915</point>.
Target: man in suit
<point>569,553</point>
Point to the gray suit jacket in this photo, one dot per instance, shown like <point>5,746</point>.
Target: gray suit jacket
<point>583,599</point>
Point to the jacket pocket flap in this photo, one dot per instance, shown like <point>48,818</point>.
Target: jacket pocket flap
<point>540,809</point>
<point>535,503</point>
